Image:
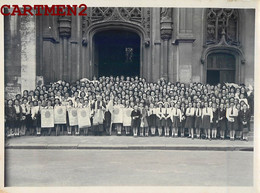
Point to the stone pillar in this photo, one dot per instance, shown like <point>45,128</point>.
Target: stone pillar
<point>65,33</point>
<point>28,53</point>
<point>155,44</point>
<point>185,41</point>
<point>166,33</point>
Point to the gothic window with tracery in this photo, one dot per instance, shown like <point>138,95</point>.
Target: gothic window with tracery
<point>222,22</point>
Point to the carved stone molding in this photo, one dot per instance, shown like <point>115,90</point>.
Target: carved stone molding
<point>134,15</point>
<point>223,46</point>
<point>64,26</point>
<point>166,23</point>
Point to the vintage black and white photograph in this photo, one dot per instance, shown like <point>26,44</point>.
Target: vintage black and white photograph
<point>130,96</point>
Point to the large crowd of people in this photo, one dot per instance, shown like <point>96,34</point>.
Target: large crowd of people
<point>133,106</point>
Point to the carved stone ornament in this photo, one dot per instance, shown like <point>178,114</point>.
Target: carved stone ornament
<point>84,41</point>
<point>166,23</point>
<point>64,26</point>
<point>134,15</point>
<point>223,45</point>
<point>166,14</point>
<point>147,43</point>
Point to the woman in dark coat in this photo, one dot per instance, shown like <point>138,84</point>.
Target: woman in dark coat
<point>107,116</point>
<point>222,121</point>
<point>136,120</point>
<point>214,123</point>
<point>10,116</point>
<point>244,121</point>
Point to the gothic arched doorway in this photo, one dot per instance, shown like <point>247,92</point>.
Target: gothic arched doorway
<point>116,52</point>
<point>221,67</point>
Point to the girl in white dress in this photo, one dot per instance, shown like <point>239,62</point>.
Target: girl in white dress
<point>118,117</point>
<point>127,117</point>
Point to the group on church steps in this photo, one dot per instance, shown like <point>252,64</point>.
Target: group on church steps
<point>132,106</point>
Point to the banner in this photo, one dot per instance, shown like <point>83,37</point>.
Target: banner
<point>60,115</point>
<point>73,117</point>
<point>117,114</point>
<point>47,118</point>
<point>127,119</point>
<point>84,117</point>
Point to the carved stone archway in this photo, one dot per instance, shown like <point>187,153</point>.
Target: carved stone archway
<point>219,39</point>
<point>136,20</point>
<point>224,47</point>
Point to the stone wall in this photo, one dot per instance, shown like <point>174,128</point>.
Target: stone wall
<point>172,43</point>
<point>12,55</point>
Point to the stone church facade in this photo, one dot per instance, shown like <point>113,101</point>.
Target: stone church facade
<point>178,44</point>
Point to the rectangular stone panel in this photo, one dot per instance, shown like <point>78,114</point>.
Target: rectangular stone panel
<point>28,52</point>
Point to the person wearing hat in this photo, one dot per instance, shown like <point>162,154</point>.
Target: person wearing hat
<point>232,117</point>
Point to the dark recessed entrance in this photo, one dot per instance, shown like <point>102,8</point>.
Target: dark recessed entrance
<point>221,68</point>
<point>116,52</point>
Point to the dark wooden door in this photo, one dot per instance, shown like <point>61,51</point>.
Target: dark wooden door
<point>221,67</point>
